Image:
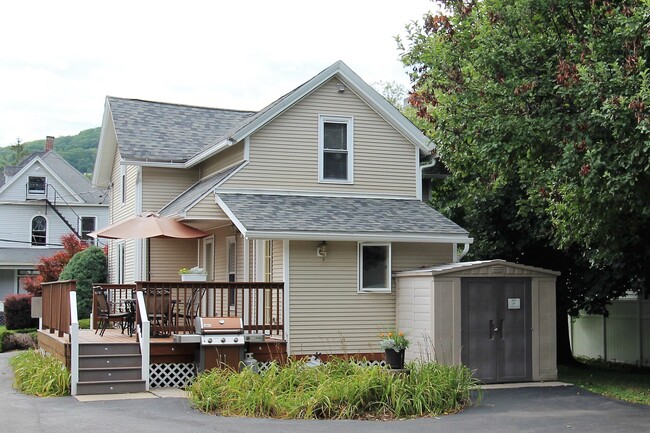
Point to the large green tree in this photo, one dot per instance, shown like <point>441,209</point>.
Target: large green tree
<point>539,109</point>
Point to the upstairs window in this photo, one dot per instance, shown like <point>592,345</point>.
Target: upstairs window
<point>39,231</point>
<point>122,184</point>
<point>88,225</point>
<point>36,185</point>
<point>335,144</point>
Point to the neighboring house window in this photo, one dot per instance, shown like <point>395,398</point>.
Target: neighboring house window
<point>374,267</point>
<point>123,184</point>
<point>121,263</point>
<point>88,225</point>
<point>335,144</point>
<point>36,185</point>
<point>39,231</point>
<point>231,257</point>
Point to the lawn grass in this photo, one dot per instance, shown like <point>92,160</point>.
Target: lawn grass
<point>618,381</point>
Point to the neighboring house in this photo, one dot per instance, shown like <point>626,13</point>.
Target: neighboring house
<point>321,190</point>
<point>41,199</point>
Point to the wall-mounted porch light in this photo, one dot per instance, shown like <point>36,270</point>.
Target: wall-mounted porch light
<point>321,250</point>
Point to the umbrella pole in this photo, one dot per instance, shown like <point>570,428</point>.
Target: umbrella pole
<point>148,262</point>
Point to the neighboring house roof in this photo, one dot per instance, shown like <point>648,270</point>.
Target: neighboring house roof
<point>79,188</point>
<point>26,257</point>
<point>463,266</point>
<point>160,132</point>
<point>269,216</point>
<point>196,192</point>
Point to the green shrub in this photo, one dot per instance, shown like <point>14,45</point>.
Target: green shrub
<point>84,323</point>
<point>87,267</point>
<point>39,374</point>
<point>18,312</point>
<point>337,390</point>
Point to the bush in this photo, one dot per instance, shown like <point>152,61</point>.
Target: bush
<point>87,267</point>
<point>18,312</point>
<point>84,323</point>
<point>339,389</point>
<point>39,374</point>
<point>18,339</point>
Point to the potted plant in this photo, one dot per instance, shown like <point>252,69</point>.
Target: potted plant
<point>193,274</point>
<point>394,344</point>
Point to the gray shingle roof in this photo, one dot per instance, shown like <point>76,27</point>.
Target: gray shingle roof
<point>24,256</point>
<point>157,131</point>
<point>322,215</point>
<point>73,178</point>
<point>197,191</point>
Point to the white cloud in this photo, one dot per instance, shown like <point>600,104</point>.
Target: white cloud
<point>60,59</point>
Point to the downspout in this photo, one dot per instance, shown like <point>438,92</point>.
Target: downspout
<point>429,164</point>
<point>458,257</point>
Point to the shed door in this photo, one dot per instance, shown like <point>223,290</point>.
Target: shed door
<point>496,328</point>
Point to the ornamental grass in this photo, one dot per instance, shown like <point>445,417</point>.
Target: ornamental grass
<point>339,389</point>
<point>39,374</point>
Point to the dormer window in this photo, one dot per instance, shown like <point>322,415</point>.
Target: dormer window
<point>36,185</point>
<point>335,144</point>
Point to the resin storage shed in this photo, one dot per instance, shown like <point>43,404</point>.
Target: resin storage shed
<point>496,317</point>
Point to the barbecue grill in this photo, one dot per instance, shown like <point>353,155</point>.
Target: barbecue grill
<point>222,342</point>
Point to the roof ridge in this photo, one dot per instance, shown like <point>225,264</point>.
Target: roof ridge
<point>177,104</point>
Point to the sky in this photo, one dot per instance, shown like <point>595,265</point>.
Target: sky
<point>60,59</point>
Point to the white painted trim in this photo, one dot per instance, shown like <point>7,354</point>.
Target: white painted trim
<point>246,276</point>
<point>247,149</point>
<point>311,193</point>
<point>74,343</point>
<point>418,176</point>
<point>140,250</point>
<point>47,232</point>
<point>286,271</point>
<point>143,337</point>
<point>232,216</point>
<point>389,272</point>
<point>152,164</point>
<point>362,237</point>
<point>349,122</point>
<point>105,155</point>
<point>211,150</point>
<point>259,259</point>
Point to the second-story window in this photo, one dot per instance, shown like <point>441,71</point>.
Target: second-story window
<point>87,225</point>
<point>335,145</point>
<point>122,184</point>
<point>36,185</point>
<point>39,231</point>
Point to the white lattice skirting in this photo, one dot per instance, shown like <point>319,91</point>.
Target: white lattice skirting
<point>180,375</point>
<point>171,375</point>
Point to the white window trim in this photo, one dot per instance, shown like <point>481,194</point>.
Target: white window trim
<point>37,191</point>
<point>389,274</point>
<point>47,232</point>
<point>80,227</point>
<point>349,121</point>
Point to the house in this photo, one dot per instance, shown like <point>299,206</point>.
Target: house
<point>321,190</point>
<point>42,198</point>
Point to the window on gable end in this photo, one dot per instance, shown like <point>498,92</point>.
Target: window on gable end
<point>335,148</point>
<point>39,231</point>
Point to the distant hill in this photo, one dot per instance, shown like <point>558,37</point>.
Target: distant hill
<point>79,150</point>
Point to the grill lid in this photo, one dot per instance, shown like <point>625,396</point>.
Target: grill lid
<point>219,325</point>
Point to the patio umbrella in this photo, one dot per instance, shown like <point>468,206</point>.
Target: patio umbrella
<point>148,225</point>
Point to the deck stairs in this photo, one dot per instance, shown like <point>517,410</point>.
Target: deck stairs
<point>110,368</point>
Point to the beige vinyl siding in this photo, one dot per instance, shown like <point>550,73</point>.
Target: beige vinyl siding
<point>207,209</point>
<point>284,153</point>
<point>224,159</point>
<point>278,275</point>
<point>327,314</point>
<point>408,256</point>
<point>160,185</point>
<point>170,255</point>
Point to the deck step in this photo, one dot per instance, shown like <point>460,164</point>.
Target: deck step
<point>106,387</point>
<point>109,361</point>
<point>109,349</point>
<point>110,374</point>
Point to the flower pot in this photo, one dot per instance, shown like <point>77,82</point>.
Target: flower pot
<point>394,359</point>
<point>194,277</point>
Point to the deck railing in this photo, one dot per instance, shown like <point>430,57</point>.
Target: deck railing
<point>173,306</point>
<point>56,306</point>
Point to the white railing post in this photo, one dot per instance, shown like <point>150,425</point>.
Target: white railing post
<point>74,344</point>
<point>143,336</point>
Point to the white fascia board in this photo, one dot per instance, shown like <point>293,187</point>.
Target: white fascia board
<point>105,152</point>
<point>360,237</point>
<point>232,216</point>
<point>156,164</point>
<point>210,151</point>
<point>311,193</point>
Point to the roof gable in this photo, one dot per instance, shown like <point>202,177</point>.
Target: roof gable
<point>495,267</point>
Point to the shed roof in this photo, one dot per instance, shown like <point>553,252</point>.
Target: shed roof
<point>499,264</point>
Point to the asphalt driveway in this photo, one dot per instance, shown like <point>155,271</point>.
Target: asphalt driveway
<point>537,409</point>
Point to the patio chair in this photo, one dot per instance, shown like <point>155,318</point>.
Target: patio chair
<point>107,313</point>
<point>191,308</point>
<point>158,304</point>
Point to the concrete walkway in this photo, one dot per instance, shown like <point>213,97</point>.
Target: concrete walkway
<point>524,409</point>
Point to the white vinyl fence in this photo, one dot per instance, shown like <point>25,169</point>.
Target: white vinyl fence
<point>624,336</point>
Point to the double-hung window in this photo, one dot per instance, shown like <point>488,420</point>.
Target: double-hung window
<point>335,149</point>
<point>374,267</point>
